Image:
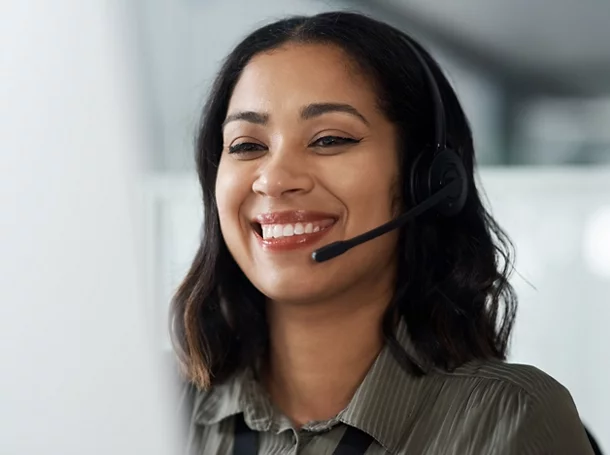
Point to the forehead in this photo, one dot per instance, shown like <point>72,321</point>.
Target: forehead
<point>298,74</point>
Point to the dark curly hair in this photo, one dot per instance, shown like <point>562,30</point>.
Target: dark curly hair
<point>452,289</point>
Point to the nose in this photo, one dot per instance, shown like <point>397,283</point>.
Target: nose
<point>284,173</point>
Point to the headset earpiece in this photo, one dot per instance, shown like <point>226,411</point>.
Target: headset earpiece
<point>432,171</point>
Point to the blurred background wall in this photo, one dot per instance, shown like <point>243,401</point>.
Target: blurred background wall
<point>78,371</point>
<point>534,78</point>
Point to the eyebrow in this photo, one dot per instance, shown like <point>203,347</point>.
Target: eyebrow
<point>248,116</point>
<point>315,110</point>
<point>308,112</point>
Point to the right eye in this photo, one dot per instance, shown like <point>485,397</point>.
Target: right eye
<point>246,148</point>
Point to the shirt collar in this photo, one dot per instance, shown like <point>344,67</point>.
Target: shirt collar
<point>242,393</point>
<point>385,404</point>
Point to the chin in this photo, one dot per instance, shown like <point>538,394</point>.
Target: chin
<point>288,293</point>
<point>293,289</point>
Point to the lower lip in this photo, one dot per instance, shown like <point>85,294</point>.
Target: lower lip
<point>293,242</point>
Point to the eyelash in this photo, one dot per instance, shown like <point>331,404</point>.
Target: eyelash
<point>249,147</point>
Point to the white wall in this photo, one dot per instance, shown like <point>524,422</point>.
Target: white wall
<point>79,371</point>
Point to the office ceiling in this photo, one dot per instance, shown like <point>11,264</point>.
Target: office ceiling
<point>562,43</point>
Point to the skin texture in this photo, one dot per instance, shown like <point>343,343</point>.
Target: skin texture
<point>325,319</point>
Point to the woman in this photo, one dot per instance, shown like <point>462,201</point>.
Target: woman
<point>315,132</point>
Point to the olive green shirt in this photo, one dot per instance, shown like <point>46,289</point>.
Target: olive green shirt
<point>488,407</point>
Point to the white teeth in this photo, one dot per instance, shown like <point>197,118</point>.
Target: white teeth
<point>276,231</point>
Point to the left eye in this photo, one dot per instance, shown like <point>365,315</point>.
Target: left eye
<point>333,141</point>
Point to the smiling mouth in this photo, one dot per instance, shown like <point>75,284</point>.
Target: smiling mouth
<point>287,236</point>
<point>279,231</point>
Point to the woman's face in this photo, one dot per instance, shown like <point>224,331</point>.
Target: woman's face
<point>308,159</point>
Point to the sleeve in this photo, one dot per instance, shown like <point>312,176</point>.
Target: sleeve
<point>552,425</point>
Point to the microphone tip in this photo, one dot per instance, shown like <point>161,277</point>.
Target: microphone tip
<point>317,256</point>
<point>329,251</point>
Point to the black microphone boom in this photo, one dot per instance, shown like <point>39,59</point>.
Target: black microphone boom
<point>335,249</point>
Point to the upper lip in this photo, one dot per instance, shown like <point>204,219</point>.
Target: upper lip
<point>292,216</point>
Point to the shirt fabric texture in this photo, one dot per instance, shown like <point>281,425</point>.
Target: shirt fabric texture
<point>484,407</point>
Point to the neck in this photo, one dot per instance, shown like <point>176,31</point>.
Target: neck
<point>319,354</point>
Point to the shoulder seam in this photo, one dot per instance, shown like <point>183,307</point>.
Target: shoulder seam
<point>503,380</point>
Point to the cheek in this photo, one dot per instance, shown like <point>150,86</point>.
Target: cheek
<point>232,189</point>
<point>369,190</point>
